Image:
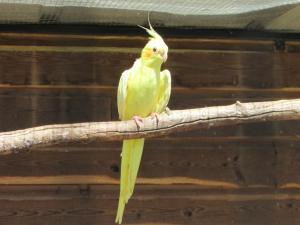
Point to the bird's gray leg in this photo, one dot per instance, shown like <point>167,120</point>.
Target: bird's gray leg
<point>156,116</point>
<point>138,121</point>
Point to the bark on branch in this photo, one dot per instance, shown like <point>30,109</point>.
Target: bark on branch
<point>177,120</point>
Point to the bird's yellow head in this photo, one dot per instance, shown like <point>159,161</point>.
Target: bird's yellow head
<point>156,51</point>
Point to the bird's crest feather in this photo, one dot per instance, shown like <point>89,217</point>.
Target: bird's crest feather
<point>151,31</point>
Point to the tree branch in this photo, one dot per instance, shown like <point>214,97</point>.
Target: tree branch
<point>177,120</point>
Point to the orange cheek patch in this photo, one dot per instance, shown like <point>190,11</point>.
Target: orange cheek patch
<point>147,53</point>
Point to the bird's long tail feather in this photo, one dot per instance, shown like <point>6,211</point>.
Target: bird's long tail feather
<point>131,157</point>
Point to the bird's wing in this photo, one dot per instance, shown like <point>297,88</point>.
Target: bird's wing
<point>122,93</point>
<point>164,91</point>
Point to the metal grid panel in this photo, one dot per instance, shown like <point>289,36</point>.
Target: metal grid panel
<point>192,13</point>
<point>191,7</point>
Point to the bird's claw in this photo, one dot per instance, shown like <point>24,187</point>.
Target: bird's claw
<point>155,115</point>
<point>168,111</point>
<point>138,121</point>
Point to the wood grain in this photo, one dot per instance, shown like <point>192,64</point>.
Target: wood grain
<point>189,67</point>
<point>150,205</point>
<point>194,62</point>
<point>48,78</point>
<point>54,39</point>
<point>233,160</point>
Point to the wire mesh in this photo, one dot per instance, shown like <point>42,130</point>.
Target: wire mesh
<point>231,13</point>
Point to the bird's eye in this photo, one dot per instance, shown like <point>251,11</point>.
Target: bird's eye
<point>154,49</point>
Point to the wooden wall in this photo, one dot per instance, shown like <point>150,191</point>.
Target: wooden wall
<point>241,175</point>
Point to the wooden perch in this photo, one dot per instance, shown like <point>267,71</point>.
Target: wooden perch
<point>176,121</point>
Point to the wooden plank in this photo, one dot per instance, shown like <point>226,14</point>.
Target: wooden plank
<point>157,163</point>
<point>292,46</point>
<point>288,165</point>
<point>98,68</point>
<point>221,44</point>
<point>288,128</point>
<point>211,93</point>
<point>189,68</point>
<point>214,162</point>
<point>150,205</point>
<point>29,39</point>
<point>23,110</point>
<point>110,91</point>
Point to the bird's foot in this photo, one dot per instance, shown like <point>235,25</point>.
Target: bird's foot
<point>156,116</point>
<point>168,111</point>
<point>138,121</point>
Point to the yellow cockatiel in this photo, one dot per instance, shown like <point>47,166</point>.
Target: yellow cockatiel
<point>143,91</point>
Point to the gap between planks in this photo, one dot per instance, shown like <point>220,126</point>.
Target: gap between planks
<point>142,37</point>
<point>144,192</point>
<point>90,49</point>
<point>113,89</point>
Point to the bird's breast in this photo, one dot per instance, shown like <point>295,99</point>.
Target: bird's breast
<point>142,94</point>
